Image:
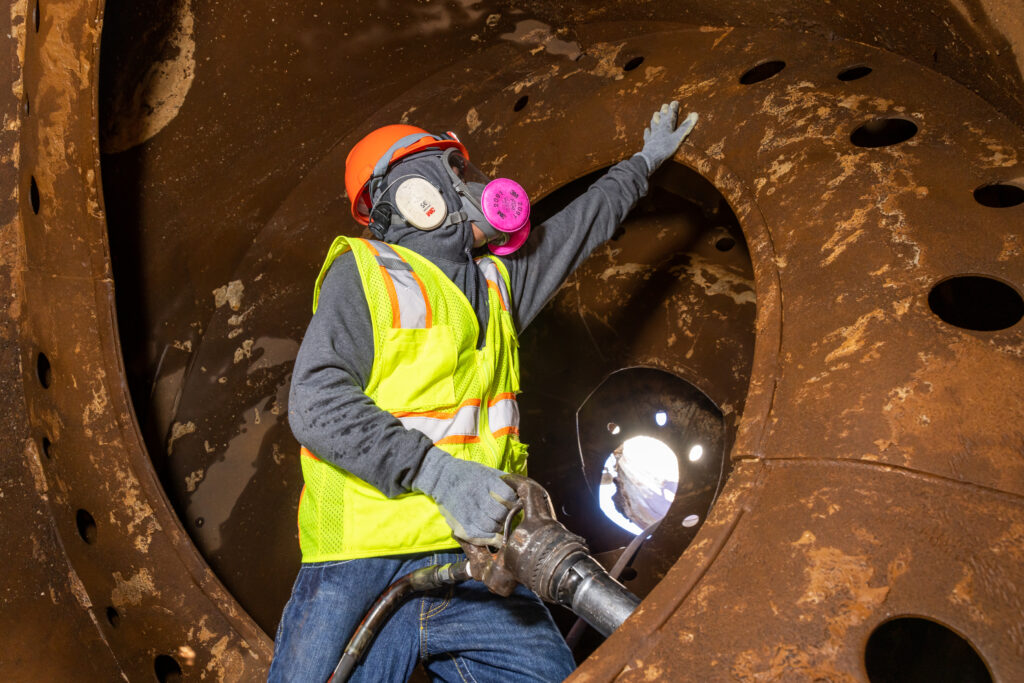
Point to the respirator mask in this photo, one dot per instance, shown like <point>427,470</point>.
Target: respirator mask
<point>500,208</point>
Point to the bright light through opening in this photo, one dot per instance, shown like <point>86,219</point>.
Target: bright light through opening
<point>661,417</point>
<point>695,453</point>
<point>646,473</point>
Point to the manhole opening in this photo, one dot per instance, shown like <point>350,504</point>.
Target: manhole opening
<point>975,302</point>
<point>883,132</point>
<point>762,72</point>
<point>638,483</point>
<point>999,195</point>
<point>653,450</point>
<point>520,103</point>
<point>912,649</point>
<point>854,73</point>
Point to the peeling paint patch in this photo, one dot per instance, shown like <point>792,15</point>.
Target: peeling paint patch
<point>179,430</point>
<point>472,120</point>
<point>852,336</point>
<point>244,351</point>
<point>230,294</point>
<point>131,591</point>
<point>539,34</point>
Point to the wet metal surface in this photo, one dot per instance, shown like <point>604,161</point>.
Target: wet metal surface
<point>149,497</point>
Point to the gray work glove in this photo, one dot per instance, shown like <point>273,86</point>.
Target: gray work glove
<point>472,497</point>
<point>662,138</point>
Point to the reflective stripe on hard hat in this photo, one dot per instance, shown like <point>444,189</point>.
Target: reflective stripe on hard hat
<point>503,415</point>
<point>410,307</point>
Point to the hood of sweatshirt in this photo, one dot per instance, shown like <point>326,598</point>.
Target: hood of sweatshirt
<point>450,247</point>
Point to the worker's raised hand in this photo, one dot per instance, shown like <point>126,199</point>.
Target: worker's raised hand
<point>662,138</point>
<point>472,497</point>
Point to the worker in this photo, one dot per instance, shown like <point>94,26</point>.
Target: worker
<point>403,397</point>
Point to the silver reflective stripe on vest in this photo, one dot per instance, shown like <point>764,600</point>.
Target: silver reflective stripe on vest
<point>412,304</point>
<point>503,415</point>
<point>490,271</point>
<point>460,427</point>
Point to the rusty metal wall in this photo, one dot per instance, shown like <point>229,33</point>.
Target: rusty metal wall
<point>193,181</point>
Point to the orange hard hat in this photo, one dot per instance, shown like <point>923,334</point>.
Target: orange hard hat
<point>370,157</point>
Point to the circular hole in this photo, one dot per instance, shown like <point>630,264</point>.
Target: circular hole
<point>46,448</point>
<point>613,428</point>
<point>725,243</point>
<point>696,453</point>
<point>113,617</point>
<point>200,521</point>
<point>86,526</point>
<point>915,649</point>
<point>33,194</point>
<point>633,63</point>
<point>627,574</point>
<point>883,132</point>
<point>999,195</point>
<point>975,302</point>
<point>691,520</point>
<point>43,370</point>
<point>762,72</point>
<point>35,15</point>
<point>167,669</point>
<point>638,483</point>
<point>661,418</point>
<point>520,103</point>
<point>853,73</point>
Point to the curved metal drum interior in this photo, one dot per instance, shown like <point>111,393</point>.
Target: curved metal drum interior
<point>864,183</point>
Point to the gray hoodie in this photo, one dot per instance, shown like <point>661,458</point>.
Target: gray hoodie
<point>330,413</point>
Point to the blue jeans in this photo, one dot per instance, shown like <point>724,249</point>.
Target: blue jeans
<point>459,633</point>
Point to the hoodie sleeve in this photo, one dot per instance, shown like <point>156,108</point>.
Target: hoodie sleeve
<point>565,240</point>
<point>329,411</point>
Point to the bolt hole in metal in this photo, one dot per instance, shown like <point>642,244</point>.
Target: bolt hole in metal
<point>86,526</point>
<point>113,617</point>
<point>25,105</point>
<point>854,73</point>
<point>520,103</point>
<point>914,649</point>
<point>725,243</point>
<point>46,448</point>
<point>883,132</point>
<point>167,669</point>
<point>976,302</point>
<point>999,195</point>
<point>762,72</point>
<point>633,63</point>
<point>35,15</point>
<point>33,194</point>
<point>43,370</point>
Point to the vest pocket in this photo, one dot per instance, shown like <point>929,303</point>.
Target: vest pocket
<point>417,369</point>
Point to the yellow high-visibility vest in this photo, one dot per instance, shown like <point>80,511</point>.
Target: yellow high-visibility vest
<point>428,373</point>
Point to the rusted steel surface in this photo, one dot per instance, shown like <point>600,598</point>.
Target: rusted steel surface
<point>876,448</point>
